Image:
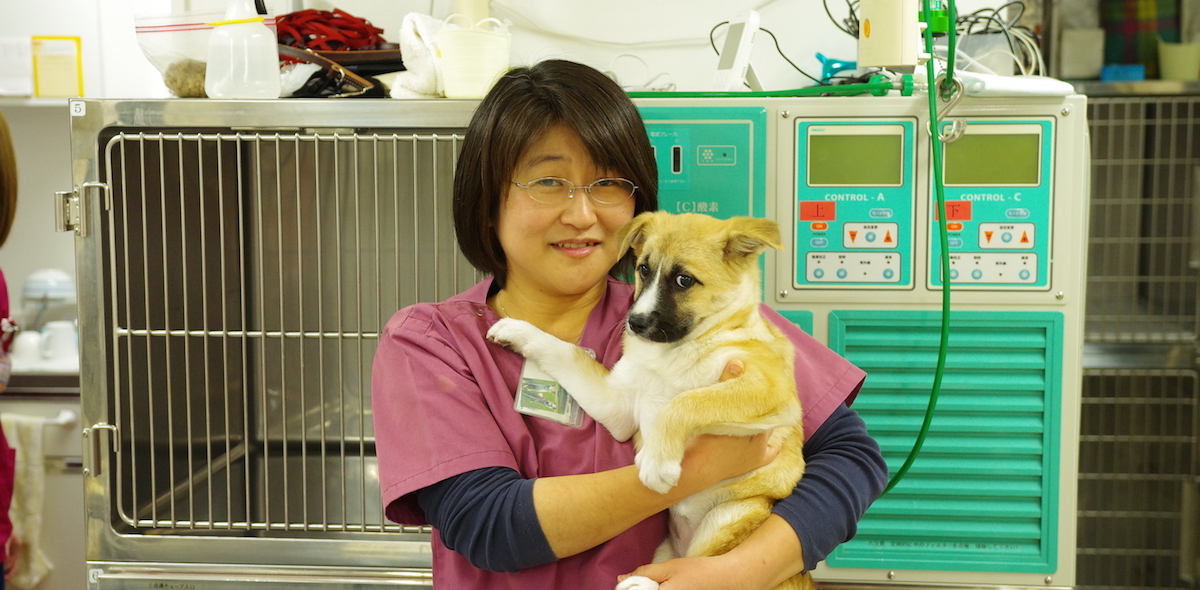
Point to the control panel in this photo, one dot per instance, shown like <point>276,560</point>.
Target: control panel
<point>855,202</point>
<point>998,206</point>
<point>710,160</point>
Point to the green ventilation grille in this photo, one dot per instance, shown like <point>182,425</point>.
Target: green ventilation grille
<point>982,495</point>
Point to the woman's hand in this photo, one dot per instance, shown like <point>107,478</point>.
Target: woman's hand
<point>764,560</point>
<point>712,458</point>
<point>699,573</point>
<point>13,548</point>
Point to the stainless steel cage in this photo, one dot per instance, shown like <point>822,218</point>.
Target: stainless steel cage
<point>236,262</point>
<point>1143,248</point>
<point>250,274</point>
<point>1138,449</point>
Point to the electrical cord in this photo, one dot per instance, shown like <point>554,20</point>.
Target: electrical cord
<point>712,43</point>
<point>1021,41</point>
<point>850,22</point>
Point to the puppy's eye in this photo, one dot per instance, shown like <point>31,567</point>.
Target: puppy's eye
<point>643,270</point>
<point>684,281</point>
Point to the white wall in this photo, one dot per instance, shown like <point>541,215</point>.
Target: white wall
<point>41,135</point>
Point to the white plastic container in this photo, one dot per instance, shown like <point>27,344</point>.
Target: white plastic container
<point>473,55</point>
<point>243,55</point>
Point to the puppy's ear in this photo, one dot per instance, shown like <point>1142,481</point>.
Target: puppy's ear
<point>749,236</point>
<point>633,235</point>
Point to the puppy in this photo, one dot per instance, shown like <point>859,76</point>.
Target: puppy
<point>696,308</point>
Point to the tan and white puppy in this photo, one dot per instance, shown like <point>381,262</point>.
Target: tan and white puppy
<point>696,308</point>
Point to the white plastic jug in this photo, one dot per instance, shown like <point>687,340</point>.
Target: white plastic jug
<point>473,55</point>
<point>243,55</point>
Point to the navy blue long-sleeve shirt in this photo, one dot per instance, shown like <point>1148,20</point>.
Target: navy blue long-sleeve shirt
<point>488,515</point>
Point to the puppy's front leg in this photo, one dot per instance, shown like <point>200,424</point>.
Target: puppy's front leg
<point>532,343</point>
<point>742,406</point>
<point>583,377</point>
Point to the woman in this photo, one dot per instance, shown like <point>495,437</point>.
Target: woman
<point>8,211</point>
<point>524,502</point>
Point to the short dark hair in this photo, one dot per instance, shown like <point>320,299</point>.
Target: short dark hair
<point>8,181</point>
<point>519,109</point>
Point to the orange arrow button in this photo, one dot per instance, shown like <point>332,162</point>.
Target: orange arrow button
<point>887,238</point>
<point>853,234</point>
<point>1024,237</point>
<point>988,235</point>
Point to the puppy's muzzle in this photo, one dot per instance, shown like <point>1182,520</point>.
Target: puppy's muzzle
<point>653,327</point>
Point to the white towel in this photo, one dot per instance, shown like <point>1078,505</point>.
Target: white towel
<point>25,435</point>
<point>422,76</point>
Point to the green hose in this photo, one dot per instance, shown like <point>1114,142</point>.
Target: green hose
<point>940,194</point>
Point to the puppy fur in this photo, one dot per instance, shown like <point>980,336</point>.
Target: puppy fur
<point>695,309</point>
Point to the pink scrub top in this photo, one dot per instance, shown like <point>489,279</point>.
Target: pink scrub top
<point>443,405</point>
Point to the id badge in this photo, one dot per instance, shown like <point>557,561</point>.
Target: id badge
<point>538,394</point>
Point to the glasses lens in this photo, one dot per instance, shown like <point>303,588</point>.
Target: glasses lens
<point>611,191</point>
<point>549,189</point>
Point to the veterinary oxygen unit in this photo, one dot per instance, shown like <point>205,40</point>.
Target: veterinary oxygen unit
<point>225,250</point>
<point>990,499</point>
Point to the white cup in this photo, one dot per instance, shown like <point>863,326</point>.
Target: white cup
<point>473,55</point>
<point>59,342</point>
<point>26,351</point>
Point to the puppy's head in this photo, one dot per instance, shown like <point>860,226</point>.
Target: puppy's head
<point>691,267</point>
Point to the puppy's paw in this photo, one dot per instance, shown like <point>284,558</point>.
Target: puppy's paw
<point>514,334</point>
<point>656,474</point>
<point>637,583</point>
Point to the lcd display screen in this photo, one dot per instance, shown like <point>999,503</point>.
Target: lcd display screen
<point>860,159</point>
<point>1001,159</point>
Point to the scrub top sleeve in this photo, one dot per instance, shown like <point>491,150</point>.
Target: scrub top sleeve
<point>824,379</point>
<point>432,419</point>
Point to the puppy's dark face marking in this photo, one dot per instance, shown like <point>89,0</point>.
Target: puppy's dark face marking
<point>660,312</point>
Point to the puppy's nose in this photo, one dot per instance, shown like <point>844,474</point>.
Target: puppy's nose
<point>640,322</point>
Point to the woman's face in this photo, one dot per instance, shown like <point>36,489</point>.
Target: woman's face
<point>559,250</point>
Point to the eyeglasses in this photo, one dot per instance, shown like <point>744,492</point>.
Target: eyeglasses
<point>552,190</point>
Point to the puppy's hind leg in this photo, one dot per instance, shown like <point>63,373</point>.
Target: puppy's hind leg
<point>730,523</point>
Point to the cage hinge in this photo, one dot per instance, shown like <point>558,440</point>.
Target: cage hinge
<point>71,208</point>
<point>91,447</point>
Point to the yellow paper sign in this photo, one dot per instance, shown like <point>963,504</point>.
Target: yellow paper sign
<point>57,67</point>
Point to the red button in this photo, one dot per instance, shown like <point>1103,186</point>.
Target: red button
<point>820,226</point>
<point>818,211</point>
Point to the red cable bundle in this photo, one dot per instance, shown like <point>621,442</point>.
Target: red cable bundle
<point>321,30</point>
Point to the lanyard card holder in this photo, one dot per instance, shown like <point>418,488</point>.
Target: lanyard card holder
<point>538,394</point>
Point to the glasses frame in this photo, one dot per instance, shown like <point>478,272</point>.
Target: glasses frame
<point>573,187</point>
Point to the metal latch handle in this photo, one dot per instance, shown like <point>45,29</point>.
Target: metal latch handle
<point>92,447</point>
<point>71,208</point>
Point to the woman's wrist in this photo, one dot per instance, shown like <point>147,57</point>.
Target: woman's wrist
<point>770,555</point>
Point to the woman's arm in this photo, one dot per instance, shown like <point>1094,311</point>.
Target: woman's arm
<point>844,473</point>
<point>488,514</point>
<point>579,512</point>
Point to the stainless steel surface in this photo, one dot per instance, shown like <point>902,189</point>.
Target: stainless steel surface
<point>123,576</point>
<point>1141,285</point>
<point>1137,454</point>
<point>241,265</point>
<point>1138,435</point>
<point>251,274</point>
<point>1140,88</point>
